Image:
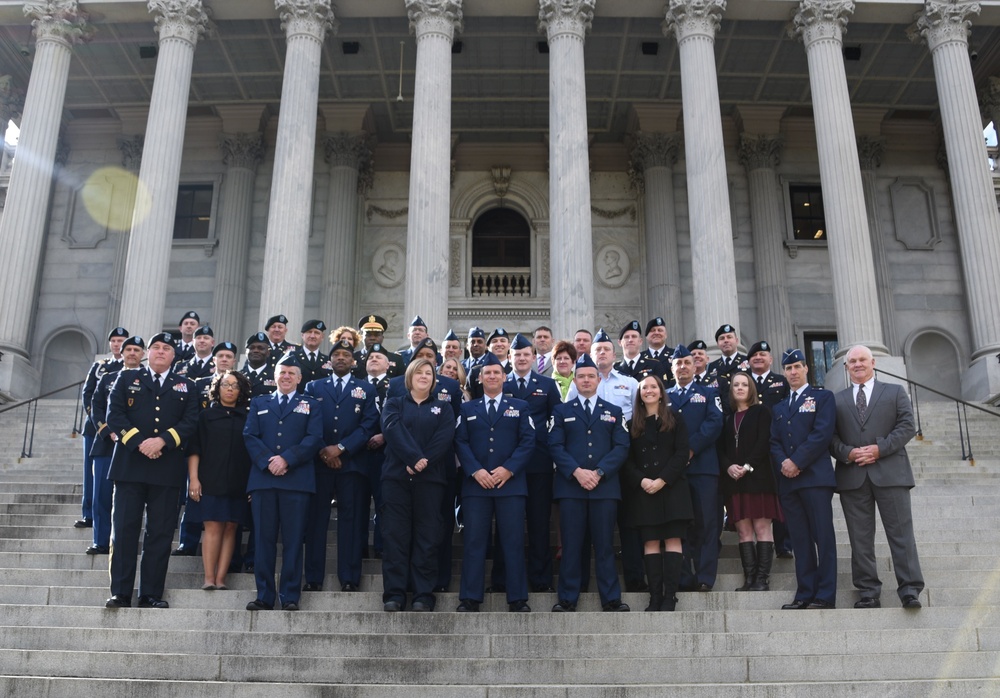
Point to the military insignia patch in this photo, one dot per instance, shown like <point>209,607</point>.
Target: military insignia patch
<point>512,413</point>
<point>131,401</point>
<point>697,397</point>
<point>181,387</point>
<point>358,393</point>
<point>436,409</point>
<point>301,408</point>
<point>608,417</point>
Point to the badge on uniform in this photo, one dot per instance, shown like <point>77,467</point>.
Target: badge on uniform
<point>697,397</point>
<point>301,408</point>
<point>808,405</point>
<point>327,366</point>
<point>131,401</point>
<point>357,409</point>
<point>181,387</point>
<point>358,393</point>
<point>510,412</point>
<point>436,409</point>
<point>608,417</point>
<point>570,419</point>
<point>470,417</point>
<point>443,395</point>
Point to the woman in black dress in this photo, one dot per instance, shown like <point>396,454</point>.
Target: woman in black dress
<point>655,492</point>
<point>418,429</point>
<point>748,481</point>
<point>218,468</point>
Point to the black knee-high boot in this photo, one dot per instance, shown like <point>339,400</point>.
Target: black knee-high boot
<point>762,579</point>
<point>654,574</point>
<point>748,558</point>
<point>672,563</point>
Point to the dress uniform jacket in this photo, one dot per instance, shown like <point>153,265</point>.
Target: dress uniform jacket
<point>396,365</point>
<point>202,386</point>
<point>312,369</point>
<point>97,370</point>
<point>195,368</point>
<point>471,363</point>
<point>101,452</point>
<point>349,419</point>
<point>803,433</point>
<point>472,383</point>
<point>295,433</point>
<point>413,432</point>
<point>262,382</point>
<point>657,454</point>
<point>182,353</point>
<point>507,440</point>
<point>138,411</point>
<point>597,443</point>
<point>723,373</point>
<point>774,390</point>
<point>542,395</point>
<point>641,363</point>
<point>664,372</point>
<point>701,410</point>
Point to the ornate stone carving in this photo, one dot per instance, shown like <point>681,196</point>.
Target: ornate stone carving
<point>686,18</point>
<point>455,263</point>
<point>388,265</point>
<point>611,214</point>
<point>501,179</point>
<point>573,17</point>
<point>59,20</point>
<point>345,149</point>
<point>131,149</point>
<point>989,100</point>
<point>385,212</point>
<point>870,152</point>
<point>11,100</point>
<point>435,16</point>
<point>313,18</point>
<point>816,20</point>
<point>941,22</point>
<point>186,20</point>
<point>244,150</point>
<point>612,266</point>
<point>650,150</point>
<point>760,152</point>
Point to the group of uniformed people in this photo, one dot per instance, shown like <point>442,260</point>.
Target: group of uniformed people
<point>364,424</point>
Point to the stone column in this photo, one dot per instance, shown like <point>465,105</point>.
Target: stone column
<point>131,150</point>
<point>870,152</point>
<point>348,155</point>
<point>760,155</point>
<point>434,23</point>
<point>694,24</point>
<point>179,23</point>
<point>57,25</point>
<point>241,154</point>
<point>653,158</point>
<point>821,24</point>
<point>566,23</point>
<point>289,219</point>
<point>945,28</point>
<point>989,103</point>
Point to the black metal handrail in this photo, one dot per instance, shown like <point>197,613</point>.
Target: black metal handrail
<point>31,406</point>
<point>961,409</point>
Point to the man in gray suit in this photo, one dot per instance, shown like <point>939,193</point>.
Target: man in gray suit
<point>874,423</point>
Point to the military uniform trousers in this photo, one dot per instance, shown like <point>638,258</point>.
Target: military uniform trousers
<point>353,492</point>
<point>411,529</point>
<point>159,502</point>
<point>701,549</point>
<point>596,516</point>
<point>269,506</point>
<point>478,515</point>
<point>87,501</point>
<point>102,497</point>
<point>538,516</point>
<point>809,514</point>
<point>451,500</point>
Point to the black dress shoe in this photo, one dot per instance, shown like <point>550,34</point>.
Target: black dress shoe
<point>349,587</point>
<point>818,604</point>
<point>868,602</point>
<point>615,606</point>
<point>83,523</point>
<point>290,606</point>
<point>542,589</point>
<point>248,567</point>
<point>563,607</point>
<point>98,550</point>
<point>796,605</point>
<point>183,552</point>
<point>784,554</point>
<point>704,587</point>
<point>911,601</point>
<point>119,601</point>
<point>258,605</point>
<point>519,607</point>
<point>152,602</point>
<point>392,606</point>
<point>440,589</point>
<point>312,587</point>
<point>468,606</point>
<point>421,607</point>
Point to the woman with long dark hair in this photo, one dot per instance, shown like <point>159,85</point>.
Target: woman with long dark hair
<point>655,492</point>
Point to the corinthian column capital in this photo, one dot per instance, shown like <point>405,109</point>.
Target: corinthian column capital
<point>131,150</point>
<point>346,149</point>
<point>821,20</point>
<point>58,20</point>
<point>760,152</point>
<point>572,17</point>
<point>179,19</point>
<point>989,99</point>
<point>312,18</point>
<point>435,16</point>
<point>689,18</point>
<point>11,100</point>
<point>244,150</point>
<point>653,150</point>
<point>943,22</point>
<point>870,152</point>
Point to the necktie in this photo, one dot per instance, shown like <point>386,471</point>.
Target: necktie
<point>862,402</point>
<point>283,401</point>
<point>312,357</point>
<point>340,387</point>
<point>586,407</point>
<point>631,365</point>
<point>492,409</point>
<point>156,380</point>
<point>760,384</point>
<point>520,383</point>
<point>373,379</point>
<point>681,392</point>
<point>541,363</point>
<point>792,398</point>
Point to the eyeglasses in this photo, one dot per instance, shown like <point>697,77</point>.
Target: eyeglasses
<point>230,385</point>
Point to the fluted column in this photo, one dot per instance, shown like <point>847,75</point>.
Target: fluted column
<point>945,28</point>
<point>870,152</point>
<point>566,23</point>
<point>289,217</point>
<point>760,155</point>
<point>820,24</point>
<point>241,154</point>
<point>434,23</point>
<point>653,158</point>
<point>694,24</point>
<point>347,154</point>
<point>131,150</point>
<point>57,25</point>
<point>179,23</point>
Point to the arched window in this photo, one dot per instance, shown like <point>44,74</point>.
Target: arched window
<point>501,254</point>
